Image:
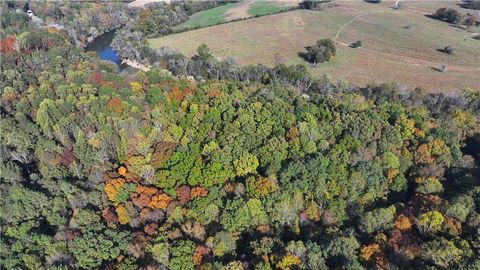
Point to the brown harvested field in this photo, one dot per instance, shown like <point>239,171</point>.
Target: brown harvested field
<point>398,45</point>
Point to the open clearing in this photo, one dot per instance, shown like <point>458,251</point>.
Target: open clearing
<point>142,3</point>
<point>399,45</point>
<point>235,11</point>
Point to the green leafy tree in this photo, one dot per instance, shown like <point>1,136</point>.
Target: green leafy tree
<point>315,257</point>
<point>343,250</point>
<point>224,243</point>
<point>430,221</point>
<point>429,186</point>
<point>160,252</point>
<point>256,212</point>
<point>181,255</point>
<point>87,220</point>
<point>377,220</point>
<point>203,53</point>
<point>93,249</point>
<point>245,164</point>
<point>460,207</point>
<point>235,216</point>
<point>390,160</point>
<point>262,247</point>
<point>155,96</point>
<point>442,252</point>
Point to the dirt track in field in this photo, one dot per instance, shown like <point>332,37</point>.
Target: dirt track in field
<point>398,45</point>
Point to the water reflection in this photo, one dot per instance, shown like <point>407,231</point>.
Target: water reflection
<point>101,45</point>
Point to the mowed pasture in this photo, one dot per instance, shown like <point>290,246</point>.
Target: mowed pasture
<point>235,11</point>
<point>399,45</point>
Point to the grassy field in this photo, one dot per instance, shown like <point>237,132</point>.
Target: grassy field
<point>399,45</point>
<point>229,12</point>
<point>206,17</point>
<point>260,8</point>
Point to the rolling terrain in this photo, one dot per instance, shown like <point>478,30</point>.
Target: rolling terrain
<point>399,45</point>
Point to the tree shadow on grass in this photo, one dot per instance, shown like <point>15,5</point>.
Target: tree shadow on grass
<point>431,16</point>
<point>303,55</point>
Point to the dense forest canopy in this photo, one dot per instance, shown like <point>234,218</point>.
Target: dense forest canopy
<point>255,168</point>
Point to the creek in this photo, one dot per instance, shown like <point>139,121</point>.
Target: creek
<point>102,45</point>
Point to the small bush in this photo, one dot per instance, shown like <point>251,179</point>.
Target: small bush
<point>356,44</point>
<point>448,50</point>
<point>448,14</point>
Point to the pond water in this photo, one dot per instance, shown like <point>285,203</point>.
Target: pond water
<point>101,45</point>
